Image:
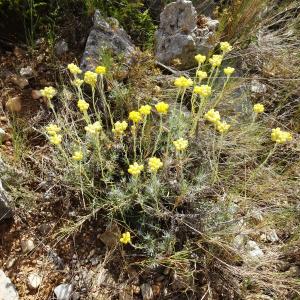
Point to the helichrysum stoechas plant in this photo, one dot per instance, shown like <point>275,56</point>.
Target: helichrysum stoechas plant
<point>183,82</point>
<point>82,105</point>
<point>180,144</point>
<point>145,110</point>
<point>154,164</point>
<point>162,107</point>
<point>201,75</point>
<point>229,71</point>
<point>222,127</point>
<point>77,82</point>
<point>135,169</point>
<point>93,128</point>
<point>90,78</point>
<point>225,47</point>
<point>125,238</point>
<point>212,116</point>
<point>200,58</point>
<point>100,70</point>
<point>280,137</point>
<point>119,128</point>
<point>135,116</point>
<point>53,129</point>
<point>258,108</point>
<point>78,155</point>
<point>202,90</point>
<point>216,60</point>
<point>55,139</point>
<point>74,69</point>
<point>48,92</point>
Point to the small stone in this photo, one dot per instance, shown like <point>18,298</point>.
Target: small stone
<point>26,72</point>
<point>18,52</point>
<point>253,249</point>
<point>239,241</point>
<point>7,289</point>
<point>61,48</point>
<point>272,236</point>
<point>14,105</point>
<point>258,87</point>
<point>147,291</point>
<point>95,261</point>
<point>136,289</point>
<point>63,291</point>
<point>294,271</point>
<point>33,281</point>
<point>92,253</point>
<point>10,263</point>
<point>20,81</point>
<point>257,216</point>
<point>36,94</point>
<point>27,245</point>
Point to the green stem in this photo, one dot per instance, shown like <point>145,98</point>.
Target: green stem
<point>181,100</point>
<point>142,135</point>
<point>159,135</point>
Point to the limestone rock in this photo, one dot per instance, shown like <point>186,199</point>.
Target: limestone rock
<point>179,37</point>
<point>106,35</point>
<point>33,281</point>
<point>5,209</point>
<point>7,289</point>
<point>26,72</point>
<point>63,291</point>
<point>253,249</point>
<point>27,245</point>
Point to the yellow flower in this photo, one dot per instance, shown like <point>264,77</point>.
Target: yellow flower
<point>212,116</point>
<point>225,47</point>
<point>100,70</point>
<point>93,128</point>
<point>201,74</point>
<point>78,156</point>
<point>279,136</point>
<point>77,82</point>
<point>203,90</point>
<point>222,127</point>
<point>154,164</point>
<point>181,144</point>
<point>82,105</point>
<point>200,58</point>
<point>125,238</point>
<point>55,139</point>
<point>162,107</point>
<point>216,60</point>
<point>229,71</point>
<point>48,92</point>
<point>135,116</point>
<point>74,69</point>
<point>53,129</point>
<point>145,110</point>
<point>258,108</point>
<point>90,78</point>
<point>119,128</point>
<point>182,82</point>
<point>135,169</point>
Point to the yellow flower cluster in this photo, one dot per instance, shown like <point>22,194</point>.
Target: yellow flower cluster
<point>145,110</point>
<point>222,127</point>
<point>55,139</point>
<point>135,169</point>
<point>125,238</point>
<point>48,92</point>
<point>162,107</point>
<point>100,70</point>
<point>90,78</point>
<point>225,47</point>
<point>216,60</point>
<point>135,116</point>
<point>78,155</point>
<point>229,71</point>
<point>93,128</point>
<point>82,105</point>
<point>74,69</point>
<point>182,82</point>
<point>53,129</point>
<point>203,90</point>
<point>154,164</point>
<point>212,116</point>
<point>201,74</point>
<point>281,137</point>
<point>200,58</point>
<point>181,144</point>
<point>119,128</point>
<point>258,108</point>
<point>77,82</point>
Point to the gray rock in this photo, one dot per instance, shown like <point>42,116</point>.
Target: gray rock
<point>26,72</point>
<point>258,87</point>
<point>5,208</point>
<point>63,291</point>
<point>253,250</point>
<point>179,36</point>
<point>27,245</point>
<point>33,281</point>
<point>61,48</point>
<point>7,289</point>
<point>106,35</point>
<point>147,291</point>
<point>270,236</point>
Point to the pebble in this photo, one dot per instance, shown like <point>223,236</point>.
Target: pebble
<point>10,263</point>
<point>14,105</point>
<point>36,94</point>
<point>33,281</point>
<point>61,47</point>
<point>21,82</point>
<point>27,245</point>
<point>63,291</point>
<point>147,291</point>
<point>253,249</point>
<point>26,72</point>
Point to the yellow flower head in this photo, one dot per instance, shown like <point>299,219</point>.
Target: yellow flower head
<point>74,69</point>
<point>182,82</point>
<point>201,74</point>
<point>162,107</point>
<point>212,116</point>
<point>225,47</point>
<point>216,60</point>
<point>53,129</point>
<point>78,156</point>
<point>154,164</point>
<point>55,139</point>
<point>82,105</point>
<point>229,71</point>
<point>135,116</point>
<point>200,58</point>
<point>145,110</point>
<point>203,90</point>
<point>100,70</point>
<point>125,238</point>
<point>90,78</point>
<point>77,82</point>
<point>93,128</point>
<point>222,127</point>
<point>258,108</point>
<point>48,92</point>
<point>279,136</point>
<point>135,169</point>
<point>181,144</point>
<point>119,128</point>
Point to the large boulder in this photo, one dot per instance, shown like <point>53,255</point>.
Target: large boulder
<point>182,34</point>
<point>106,34</point>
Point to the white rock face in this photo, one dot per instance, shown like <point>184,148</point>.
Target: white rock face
<point>63,291</point>
<point>33,281</point>
<point>7,289</point>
